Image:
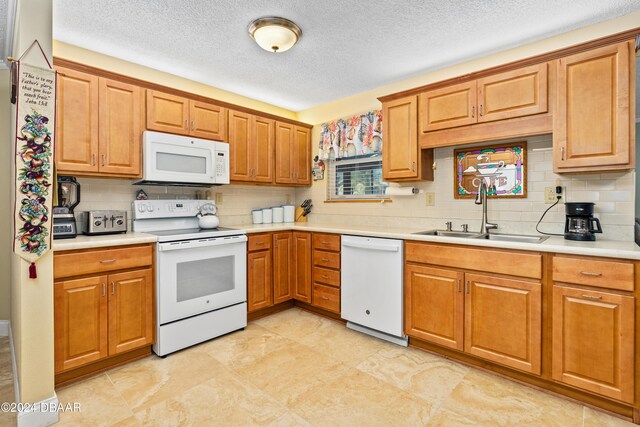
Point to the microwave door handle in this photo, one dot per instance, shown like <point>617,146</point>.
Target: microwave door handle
<point>190,244</point>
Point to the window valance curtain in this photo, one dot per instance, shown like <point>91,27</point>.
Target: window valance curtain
<point>355,136</point>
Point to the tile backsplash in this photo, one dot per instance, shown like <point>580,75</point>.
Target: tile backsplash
<point>238,200</point>
<point>613,193</point>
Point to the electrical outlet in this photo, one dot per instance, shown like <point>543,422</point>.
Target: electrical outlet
<point>550,195</point>
<point>430,198</point>
<point>219,198</point>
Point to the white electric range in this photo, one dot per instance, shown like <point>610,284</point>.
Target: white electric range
<point>201,279</point>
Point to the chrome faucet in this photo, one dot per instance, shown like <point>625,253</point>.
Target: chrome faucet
<point>481,199</point>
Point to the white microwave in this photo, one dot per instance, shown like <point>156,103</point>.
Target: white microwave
<point>183,161</point>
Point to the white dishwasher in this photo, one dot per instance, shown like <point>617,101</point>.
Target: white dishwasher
<point>371,288</point>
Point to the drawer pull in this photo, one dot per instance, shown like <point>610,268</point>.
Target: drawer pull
<point>325,243</point>
<point>324,259</point>
<point>587,273</point>
<point>324,276</point>
<point>113,288</point>
<point>323,297</point>
<point>107,261</point>
<point>591,296</point>
<point>259,243</point>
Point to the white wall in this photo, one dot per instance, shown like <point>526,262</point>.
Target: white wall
<point>6,213</point>
<point>613,194</point>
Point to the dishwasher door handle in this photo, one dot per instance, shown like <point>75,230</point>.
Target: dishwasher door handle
<point>372,247</point>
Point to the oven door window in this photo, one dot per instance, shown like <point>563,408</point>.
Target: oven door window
<point>205,277</point>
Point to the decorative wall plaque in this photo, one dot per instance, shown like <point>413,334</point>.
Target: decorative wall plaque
<point>502,167</point>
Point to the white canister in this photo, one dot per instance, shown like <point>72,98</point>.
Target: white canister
<point>278,214</point>
<point>289,213</point>
<point>267,216</point>
<point>257,216</point>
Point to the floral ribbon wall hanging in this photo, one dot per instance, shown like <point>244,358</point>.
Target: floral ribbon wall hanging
<point>34,162</point>
<point>355,136</point>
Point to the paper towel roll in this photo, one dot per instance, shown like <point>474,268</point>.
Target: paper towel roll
<point>401,191</point>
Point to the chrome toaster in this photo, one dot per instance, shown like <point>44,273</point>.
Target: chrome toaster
<point>103,222</point>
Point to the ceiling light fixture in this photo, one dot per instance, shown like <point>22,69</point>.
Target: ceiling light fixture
<point>275,34</point>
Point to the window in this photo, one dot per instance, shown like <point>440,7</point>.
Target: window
<point>356,178</point>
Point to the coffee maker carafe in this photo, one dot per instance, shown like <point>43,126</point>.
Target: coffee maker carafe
<point>581,224</point>
<point>64,222</point>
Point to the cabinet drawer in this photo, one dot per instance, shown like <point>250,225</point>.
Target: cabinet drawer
<point>326,297</point>
<point>326,276</point>
<point>326,259</point>
<point>68,264</point>
<point>593,272</point>
<point>511,263</point>
<point>326,242</point>
<point>258,242</point>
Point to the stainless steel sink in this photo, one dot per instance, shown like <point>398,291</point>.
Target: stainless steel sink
<point>445,233</point>
<point>522,238</point>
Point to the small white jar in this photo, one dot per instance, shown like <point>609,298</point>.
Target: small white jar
<point>257,216</point>
<point>278,214</point>
<point>267,216</point>
<point>289,213</point>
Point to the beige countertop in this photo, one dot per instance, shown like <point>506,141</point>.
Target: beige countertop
<point>601,248</point>
<point>88,242</point>
<point>556,244</point>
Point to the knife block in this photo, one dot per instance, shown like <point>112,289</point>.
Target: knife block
<point>299,216</point>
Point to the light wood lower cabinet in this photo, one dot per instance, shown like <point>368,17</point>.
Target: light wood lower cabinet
<point>102,316</point>
<point>259,280</point>
<point>593,341</point>
<point>302,266</point>
<point>434,305</point>
<point>282,266</point>
<point>503,321</point>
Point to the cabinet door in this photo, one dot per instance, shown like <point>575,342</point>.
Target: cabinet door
<point>434,304</point>
<point>80,322</point>
<point>131,319</point>
<point>120,135</point>
<point>282,268</point>
<point>263,145</point>
<point>517,93</point>
<point>284,153</point>
<point>167,113</point>
<point>503,321</point>
<point>302,155</point>
<point>592,123</point>
<point>593,336</point>
<point>208,121</point>
<point>400,126</point>
<point>302,266</point>
<point>259,284</point>
<point>241,157</point>
<point>76,142</point>
<point>448,107</point>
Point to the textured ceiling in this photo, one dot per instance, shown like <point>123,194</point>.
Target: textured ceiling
<point>346,47</point>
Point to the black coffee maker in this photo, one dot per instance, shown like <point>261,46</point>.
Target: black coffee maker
<point>581,224</point>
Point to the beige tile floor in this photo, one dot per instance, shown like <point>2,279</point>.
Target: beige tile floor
<point>6,382</point>
<point>295,368</point>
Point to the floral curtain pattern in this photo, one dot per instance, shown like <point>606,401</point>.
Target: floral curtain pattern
<point>355,136</point>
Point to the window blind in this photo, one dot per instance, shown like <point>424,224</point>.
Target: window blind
<point>356,178</point>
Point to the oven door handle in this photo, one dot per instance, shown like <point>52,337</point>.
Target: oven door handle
<point>201,243</point>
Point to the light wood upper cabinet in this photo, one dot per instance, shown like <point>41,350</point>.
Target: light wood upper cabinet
<point>517,93</point>
<point>593,341</point>
<point>503,321</point>
<point>400,153</point>
<point>264,146</point>
<point>240,146</point>
<point>448,107</point>
<point>120,144</point>
<point>259,283</point>
<point>434,305</point>
<point>208,121</point>
<point>293,154</point>
<point>302,266</point>
<point>80,322</point>
<point>167,113</point>
<point>594,118</point>
<point>77,136</point>
<point>131,299</point>
<point>284,153</point>
<point>282,266</point>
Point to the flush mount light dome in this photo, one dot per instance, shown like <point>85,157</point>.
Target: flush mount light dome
<point>275,34</point>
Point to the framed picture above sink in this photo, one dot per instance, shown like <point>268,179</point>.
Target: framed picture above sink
<point>502,167</point>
